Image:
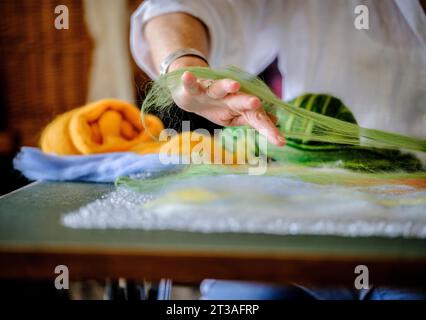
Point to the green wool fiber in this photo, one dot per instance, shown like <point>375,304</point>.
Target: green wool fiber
<point>305,124</point>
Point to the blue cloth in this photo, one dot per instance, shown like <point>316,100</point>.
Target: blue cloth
<point>241,290</point>
<point>37,165</point>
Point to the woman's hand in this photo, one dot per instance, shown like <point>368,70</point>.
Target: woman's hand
<point>221,102</point>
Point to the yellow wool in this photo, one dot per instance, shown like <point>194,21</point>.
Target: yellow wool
<point>103,126</point>
<point>112,126</point>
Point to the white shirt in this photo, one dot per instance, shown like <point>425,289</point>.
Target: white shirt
<point>380,73</point>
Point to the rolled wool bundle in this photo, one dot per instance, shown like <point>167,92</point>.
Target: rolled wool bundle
<point>103,126</point>
<point>115,125</point>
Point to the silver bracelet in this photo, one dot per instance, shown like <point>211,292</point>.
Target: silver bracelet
<point>164,67</point>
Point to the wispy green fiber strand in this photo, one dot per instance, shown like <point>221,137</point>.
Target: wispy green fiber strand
<point>323,128</point>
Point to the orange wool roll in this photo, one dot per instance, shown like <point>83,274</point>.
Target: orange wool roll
<point>103,126</point>
<point>115,126</point>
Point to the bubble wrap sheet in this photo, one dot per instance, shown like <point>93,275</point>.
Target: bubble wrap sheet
<point>261,204</point>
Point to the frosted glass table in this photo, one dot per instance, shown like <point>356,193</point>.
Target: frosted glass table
<point>33,242</point>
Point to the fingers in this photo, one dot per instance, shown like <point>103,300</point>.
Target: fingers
<point>242,102</point>
<point>247,106</point>
<point>190,83</point>
<point>259,120</point>
<point>220,88</point>
<point>216,90</point>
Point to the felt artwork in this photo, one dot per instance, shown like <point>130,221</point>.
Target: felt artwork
<point>288,199</point>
